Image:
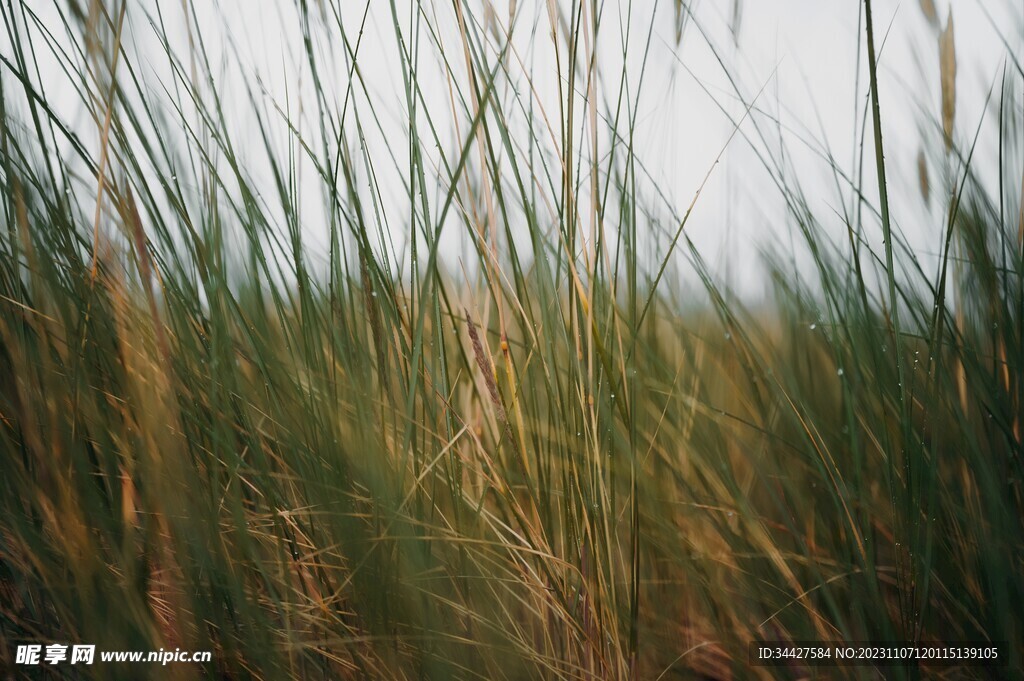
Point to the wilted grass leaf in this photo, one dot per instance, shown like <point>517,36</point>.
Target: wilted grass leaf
<point>947,70</point>
<point>922,175</point>
<point>484,362</point>
<point>928,9</point>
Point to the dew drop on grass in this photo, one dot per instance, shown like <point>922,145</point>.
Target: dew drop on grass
<point>813,327</point>
<point>728,336</point>
<point>839,371</point>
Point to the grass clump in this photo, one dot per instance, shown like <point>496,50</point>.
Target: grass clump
<point>534,462</point>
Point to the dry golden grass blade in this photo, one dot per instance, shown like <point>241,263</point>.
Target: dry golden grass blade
<point>101,177</point>
<point>928,9</point>
<point>947,70</point>
<point>483,360</point>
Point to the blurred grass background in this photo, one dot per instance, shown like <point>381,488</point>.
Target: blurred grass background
<point>546,461</point>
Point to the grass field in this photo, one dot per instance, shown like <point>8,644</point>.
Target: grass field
<point>549,459</point>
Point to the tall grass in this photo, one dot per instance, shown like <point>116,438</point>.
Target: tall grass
<point>540,461</point>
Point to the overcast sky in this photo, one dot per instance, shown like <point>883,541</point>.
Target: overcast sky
<point>801,55</point>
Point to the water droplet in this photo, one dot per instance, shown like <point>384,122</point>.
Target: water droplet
<point>813,327</point>
<point>839,371</point>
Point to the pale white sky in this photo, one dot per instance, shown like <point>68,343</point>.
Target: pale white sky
<point>802,52</point>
